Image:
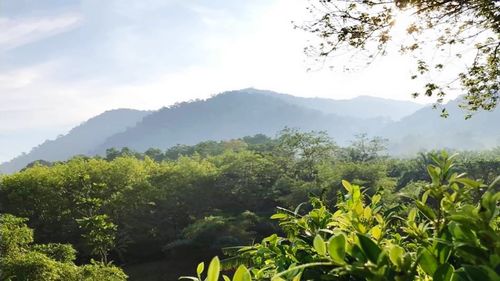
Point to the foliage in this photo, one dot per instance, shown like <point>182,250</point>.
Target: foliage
<point>363,149</point>
<point>22,260</point>
<point>59,252</point>
<point>443,28</point>
<point>450,232</point>
<point>133,208</point>
<point>100,234</point>
<point>14,235</point>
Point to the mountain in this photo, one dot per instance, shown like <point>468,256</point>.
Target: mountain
<point>80,140</point>
<point>365,107</point>
<point>425,129</point>
<point>234,114</point>
<point>231,115</point>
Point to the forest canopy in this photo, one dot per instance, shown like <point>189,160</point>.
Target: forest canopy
<point>183,205</point>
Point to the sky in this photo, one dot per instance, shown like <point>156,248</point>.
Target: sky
<point>65,61</point>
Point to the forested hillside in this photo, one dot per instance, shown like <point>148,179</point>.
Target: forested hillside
<point>80,140</point>
<point>157,214</point>
<point>364,107</point>
<point>233,115</point>
<point>247,112</point>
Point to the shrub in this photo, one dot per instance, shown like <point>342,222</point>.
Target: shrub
<point>19,260</point>
<point>450,232</point>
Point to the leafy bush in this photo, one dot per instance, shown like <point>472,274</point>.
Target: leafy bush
<point>450,232</point>
<point>14,234</point>
<point>56,251</point>
<point>36,266</point>
<point>19,260</point>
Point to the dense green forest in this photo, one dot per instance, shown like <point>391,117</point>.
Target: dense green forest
<point>157,214</point>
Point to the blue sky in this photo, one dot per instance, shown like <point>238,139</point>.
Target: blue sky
<point>64,61</point>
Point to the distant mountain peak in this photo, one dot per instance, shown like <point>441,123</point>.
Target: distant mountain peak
<point>250,111</point>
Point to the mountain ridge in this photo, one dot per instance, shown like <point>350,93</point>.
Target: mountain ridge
<point>79,140</point>
<point>235,114</point>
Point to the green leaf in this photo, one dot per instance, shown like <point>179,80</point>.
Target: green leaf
<point>396,255</point>
<point>425,196</point>
<point>279,216</point>
<point>428,212</point>
<point>347,186</point>
<point>189,278</point>
<point>412,214</point>
<point>433,172</point>
<point>443,273</point>
<point>226,278</point>
<point>370,248</point>
<point>213,270</point>
<point>242,274</point>
<point>200,268</point>
<point>427,261</point>
<point>336,248</point>
<point>319,245</point>
<point>468,182</point>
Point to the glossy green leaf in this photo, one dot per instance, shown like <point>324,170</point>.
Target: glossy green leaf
<point>336,248</point>
<point>242,274</point>
<point>369,248</point>
<point>200,268</point>
<point>427,261</point>
<point>396,255</point>
<point>279,216</point>
<point>319,245</point>
<point>213,270</point>
<point>347,185</point>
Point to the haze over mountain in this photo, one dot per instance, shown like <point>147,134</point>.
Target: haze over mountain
<point>80,140</point>
<point>410,127</point>
<point>426,129</point>
<point>364,107</point>
<point>231,115</point>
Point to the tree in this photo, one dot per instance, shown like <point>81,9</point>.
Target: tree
<point>446,26</point>
<point>99,234</point>
<point>363,149</point>
<point>299,153</point>
<point>20,259</point>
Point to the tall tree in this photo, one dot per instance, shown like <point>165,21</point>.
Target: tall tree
<point>468,30</point>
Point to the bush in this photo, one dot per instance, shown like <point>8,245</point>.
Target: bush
<point>56,251</point>
<point>450,232</point>
<point>20,260</point>
<point>36,266</point>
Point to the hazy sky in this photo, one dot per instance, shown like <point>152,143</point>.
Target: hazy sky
<point>64,61</point>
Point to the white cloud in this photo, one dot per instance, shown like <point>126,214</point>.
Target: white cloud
<point>15,32</point>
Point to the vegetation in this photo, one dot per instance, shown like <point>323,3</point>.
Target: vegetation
<point>23,260</point>
<point>446,29</point>
<point>185,204</point>
<point>260,111</point>
<point>449,232</point>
